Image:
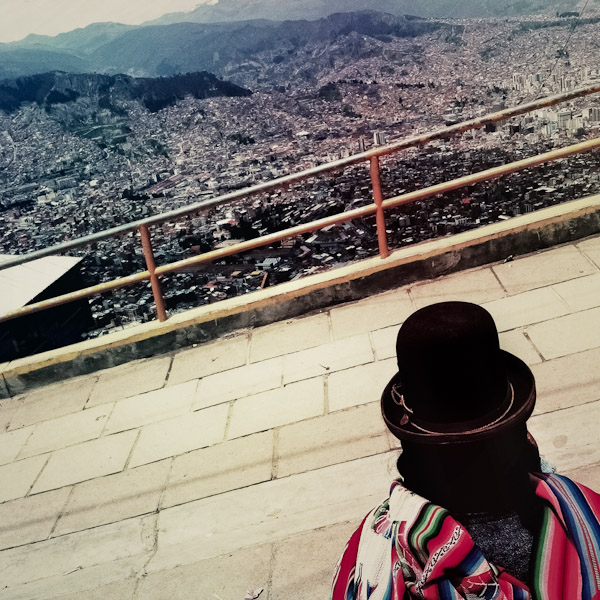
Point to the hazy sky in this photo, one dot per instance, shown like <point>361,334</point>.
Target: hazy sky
<point>19,18</point>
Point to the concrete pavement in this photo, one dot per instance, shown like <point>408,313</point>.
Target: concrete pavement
<point>246,463</point>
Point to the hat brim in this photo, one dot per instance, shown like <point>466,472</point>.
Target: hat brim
<point>519,376</point>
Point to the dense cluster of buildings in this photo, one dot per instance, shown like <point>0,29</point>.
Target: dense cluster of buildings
<point>60,181</point>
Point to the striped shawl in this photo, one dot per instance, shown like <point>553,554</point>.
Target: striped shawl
<point>410,548</point>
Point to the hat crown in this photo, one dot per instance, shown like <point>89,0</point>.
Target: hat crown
<point>450,364</point>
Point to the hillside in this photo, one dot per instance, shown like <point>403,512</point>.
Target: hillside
<point>80,41</point>
<point>48,90</point>
<point>191,47</point>
<point>184,47</point>
<point>15,62</point>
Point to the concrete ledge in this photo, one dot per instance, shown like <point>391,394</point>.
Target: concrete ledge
<point>521,235</point>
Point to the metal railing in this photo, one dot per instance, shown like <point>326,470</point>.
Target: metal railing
<point>377,208</point>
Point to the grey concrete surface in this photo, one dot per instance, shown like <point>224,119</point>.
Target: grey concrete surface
<point>245,463</point>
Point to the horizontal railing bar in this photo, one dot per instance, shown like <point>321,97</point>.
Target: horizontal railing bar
<point>479,122</point>
<point>370,209</point>
<point>363,211</point>
<point>360,212</point>
<point>403,144</point>
<point>77,295</point>
<point>493,173</point>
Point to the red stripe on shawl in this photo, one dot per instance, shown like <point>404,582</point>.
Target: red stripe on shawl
<point>347,564</point>
<point>398,584</point>
<point>456,554</point>
<point>592,498</point>
<point>562,572</point>
<point>553,561</point>
<point>582,525</point>
<point>508,583</point>
<point>544,491</point>
<point>571,571</point>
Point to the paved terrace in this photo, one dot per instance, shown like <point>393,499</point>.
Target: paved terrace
<point>247,462</point>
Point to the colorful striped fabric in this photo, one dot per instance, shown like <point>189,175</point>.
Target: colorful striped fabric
<point>410,548</point>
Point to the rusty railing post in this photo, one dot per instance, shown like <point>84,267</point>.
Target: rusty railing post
<point>149,256</point>
<point>379,214</point>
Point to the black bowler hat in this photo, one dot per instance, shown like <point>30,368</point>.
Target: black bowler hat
<point>454,383</point>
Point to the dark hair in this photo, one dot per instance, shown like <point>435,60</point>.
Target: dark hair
<point>442,472</point>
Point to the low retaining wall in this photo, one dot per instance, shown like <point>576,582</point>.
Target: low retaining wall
<point>489,244</point>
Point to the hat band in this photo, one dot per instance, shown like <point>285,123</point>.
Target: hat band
<point>398,399</point>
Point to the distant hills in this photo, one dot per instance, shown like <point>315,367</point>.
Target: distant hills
<point>240,10</point>
<point>48,90</point>
<point>215,38</point>
<point>183,47</point>
<point>83,40</point>
<point>28,61</point>
<point>163,50</point>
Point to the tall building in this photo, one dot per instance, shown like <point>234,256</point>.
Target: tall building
<point>379,138</point>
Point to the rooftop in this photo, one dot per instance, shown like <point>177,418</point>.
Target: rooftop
<point>246,462</point>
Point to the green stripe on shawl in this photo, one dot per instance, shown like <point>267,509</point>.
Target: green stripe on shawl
<point>423,530</point>
<point>538,579</point>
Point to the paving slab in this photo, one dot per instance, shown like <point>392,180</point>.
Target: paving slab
<point>569,438</point>
<point>304,564</point>
<point>152,407</point>
<point>53,401</point>
<point>66,431</point>
<point>238,383</point>
<point>271,511</point>
<point>120,590</point>
<point>114,577</point>
<point>30,519</point>
<point>8,409</point>
<point>543,269</point>
<point>582,293</point>
<point>85,461</point>
<point>567,335</point>
<point>568,381</point>
<point>331,439</point>
<point>591,248</point>
<point>225,503</point>
<point>130,379</point>
<point>384,342</point>
<point>118,497</point>
<point>359,385</point>
<point>77,551</point>
<point>182,434</point>
<point>208,359</point>
<point>289,336</point>
<point>228,466</point>
<point>517,343</point>
<point>588,476</point>
<point>478,286</point>
<point>327,358</point>
<point>294,402</point>
<point>226,577</point>
<point>377,312</point>
<point>17,478</point>
<point>12,442</point>
<point>526,308</point>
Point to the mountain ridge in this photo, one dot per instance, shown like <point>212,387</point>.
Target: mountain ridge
<point>164,50</point>
<point>239,10</point>
<point>82,40</point>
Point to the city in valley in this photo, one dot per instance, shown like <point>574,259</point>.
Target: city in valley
<point>80,164</point>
